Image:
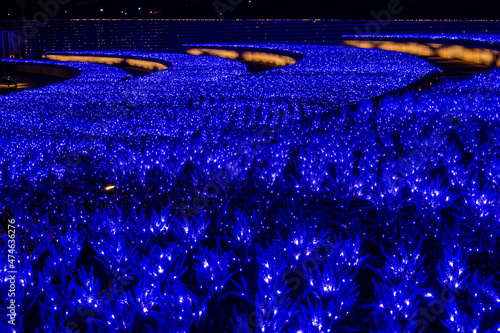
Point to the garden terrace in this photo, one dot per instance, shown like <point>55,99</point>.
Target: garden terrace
<point>201,198</point>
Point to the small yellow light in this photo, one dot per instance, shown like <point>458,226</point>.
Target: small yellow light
<point>109,187</point>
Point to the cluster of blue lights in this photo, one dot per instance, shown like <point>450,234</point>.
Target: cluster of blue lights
<point>205,199</point>
<point>327,76</point>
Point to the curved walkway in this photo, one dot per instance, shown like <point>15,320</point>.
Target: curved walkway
<point>20,75</point>
<point>23,81</point>
<point>132,65</point>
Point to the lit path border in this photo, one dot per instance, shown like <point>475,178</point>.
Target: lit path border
<point>267,57</point>
<point>147,64</point>
<point>262,56</point>
<point>478,55</point>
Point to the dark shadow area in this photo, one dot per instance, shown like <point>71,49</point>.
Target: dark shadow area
<point>7,86</point>
<point>22,81</point>
<point>456,69</point>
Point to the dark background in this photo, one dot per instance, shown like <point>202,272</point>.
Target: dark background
<point>248,9</point>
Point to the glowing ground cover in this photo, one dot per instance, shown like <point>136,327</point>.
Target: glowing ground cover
<point>191,200</point>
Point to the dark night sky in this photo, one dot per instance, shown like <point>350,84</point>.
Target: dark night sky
<point>347,9</point>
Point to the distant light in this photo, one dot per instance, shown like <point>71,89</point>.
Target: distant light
<point>102,10</point>
<point>109,187</point>
<point>139,8</point>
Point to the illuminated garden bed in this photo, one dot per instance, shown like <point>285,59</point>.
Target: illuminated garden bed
<point>203,198</point>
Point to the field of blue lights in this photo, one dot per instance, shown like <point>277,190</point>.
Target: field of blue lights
<point>203,198</point>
